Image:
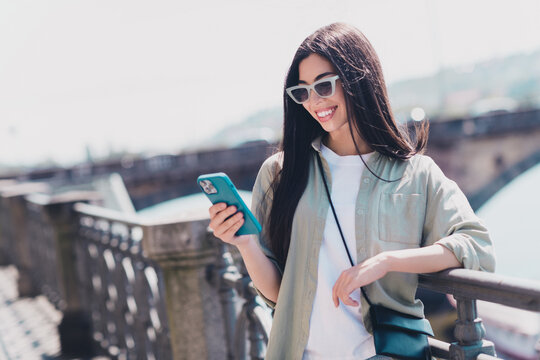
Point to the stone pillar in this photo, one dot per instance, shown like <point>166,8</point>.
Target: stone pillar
<point>75,329</point>
<point>183,251</point>
<point>17,241</point>
<point>4,259</point>
<point>469,332</point>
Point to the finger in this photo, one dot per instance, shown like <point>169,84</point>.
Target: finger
<point>339,284</point>
<point>220,217</point>
<point>214,209</point>
<point>226,225</point>
<point>230,233</point>
<point>345,296</point>
<point>347,300</point>
<point>335,297</point>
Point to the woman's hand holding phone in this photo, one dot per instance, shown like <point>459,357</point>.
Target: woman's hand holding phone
<point>225,221</point>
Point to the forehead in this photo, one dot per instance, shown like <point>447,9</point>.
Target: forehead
<point>312,66</point>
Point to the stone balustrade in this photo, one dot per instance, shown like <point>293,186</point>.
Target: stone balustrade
<point>136,289</point>
<point>122,290</point>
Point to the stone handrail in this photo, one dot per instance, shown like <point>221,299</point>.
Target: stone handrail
<point>467,287</point>
<point>515,292</point>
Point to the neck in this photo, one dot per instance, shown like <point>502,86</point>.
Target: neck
<point>344,145</point>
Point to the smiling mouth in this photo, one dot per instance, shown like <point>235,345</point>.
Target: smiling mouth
<point>326,114</point>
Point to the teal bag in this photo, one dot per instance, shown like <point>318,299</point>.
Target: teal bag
<point>399,335</point>
<point>395,334</point>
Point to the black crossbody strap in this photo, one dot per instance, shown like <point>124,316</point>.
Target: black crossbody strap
<point>337,221</point>
<point>334,210</point>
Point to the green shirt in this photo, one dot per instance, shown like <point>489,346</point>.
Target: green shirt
<point>423,208</point>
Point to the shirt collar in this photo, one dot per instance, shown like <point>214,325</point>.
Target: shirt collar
<point>316,144</point>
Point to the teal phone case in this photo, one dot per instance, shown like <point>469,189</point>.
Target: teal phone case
<point>226,192</point>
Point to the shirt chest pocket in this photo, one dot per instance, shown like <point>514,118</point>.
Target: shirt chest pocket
<point>401,218</point>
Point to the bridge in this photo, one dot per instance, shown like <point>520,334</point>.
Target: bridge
<point>481,154</point>
<point>128,288</point>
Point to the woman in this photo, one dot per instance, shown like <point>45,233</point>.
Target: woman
<point>399,214</point>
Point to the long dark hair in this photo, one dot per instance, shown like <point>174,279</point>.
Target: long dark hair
<point>369,116</point>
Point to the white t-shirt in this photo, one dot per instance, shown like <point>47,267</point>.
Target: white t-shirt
<point>338,333</point>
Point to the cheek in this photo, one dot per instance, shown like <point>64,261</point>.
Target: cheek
<point>340,95</point>
<point>342,102</point>
<point>307,109</point>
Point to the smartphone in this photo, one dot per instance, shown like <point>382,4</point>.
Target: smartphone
<point>219,188</point>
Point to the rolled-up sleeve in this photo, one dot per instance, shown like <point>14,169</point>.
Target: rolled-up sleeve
<point>451,222</point>
<point>260,206</point>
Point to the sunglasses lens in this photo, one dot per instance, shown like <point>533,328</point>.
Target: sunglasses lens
<point>324,88</point>
<point>300,95</point>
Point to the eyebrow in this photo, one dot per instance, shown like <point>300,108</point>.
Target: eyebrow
<point>318,76</point>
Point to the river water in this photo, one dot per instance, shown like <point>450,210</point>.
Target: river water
<point>513,219</point>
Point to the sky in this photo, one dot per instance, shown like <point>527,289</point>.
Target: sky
<point>161,75</point>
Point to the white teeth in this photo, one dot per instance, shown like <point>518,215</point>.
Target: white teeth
<point>325,113</point>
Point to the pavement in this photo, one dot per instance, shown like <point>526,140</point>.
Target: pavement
<point>28,326</point>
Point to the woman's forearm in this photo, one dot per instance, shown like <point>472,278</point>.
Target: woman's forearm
<point>427,259</point>
<point>263,272</point>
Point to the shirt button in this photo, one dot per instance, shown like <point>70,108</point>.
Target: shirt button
<point>366,181</point>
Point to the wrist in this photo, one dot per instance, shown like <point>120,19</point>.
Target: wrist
<point>388,260</point>
<point>246,244</point>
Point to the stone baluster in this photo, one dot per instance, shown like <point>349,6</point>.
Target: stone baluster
<point>223,270</point>
<point>245,328</point>
<point>183,251</point>
<point>253,311</point>
<point>469,332</point>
